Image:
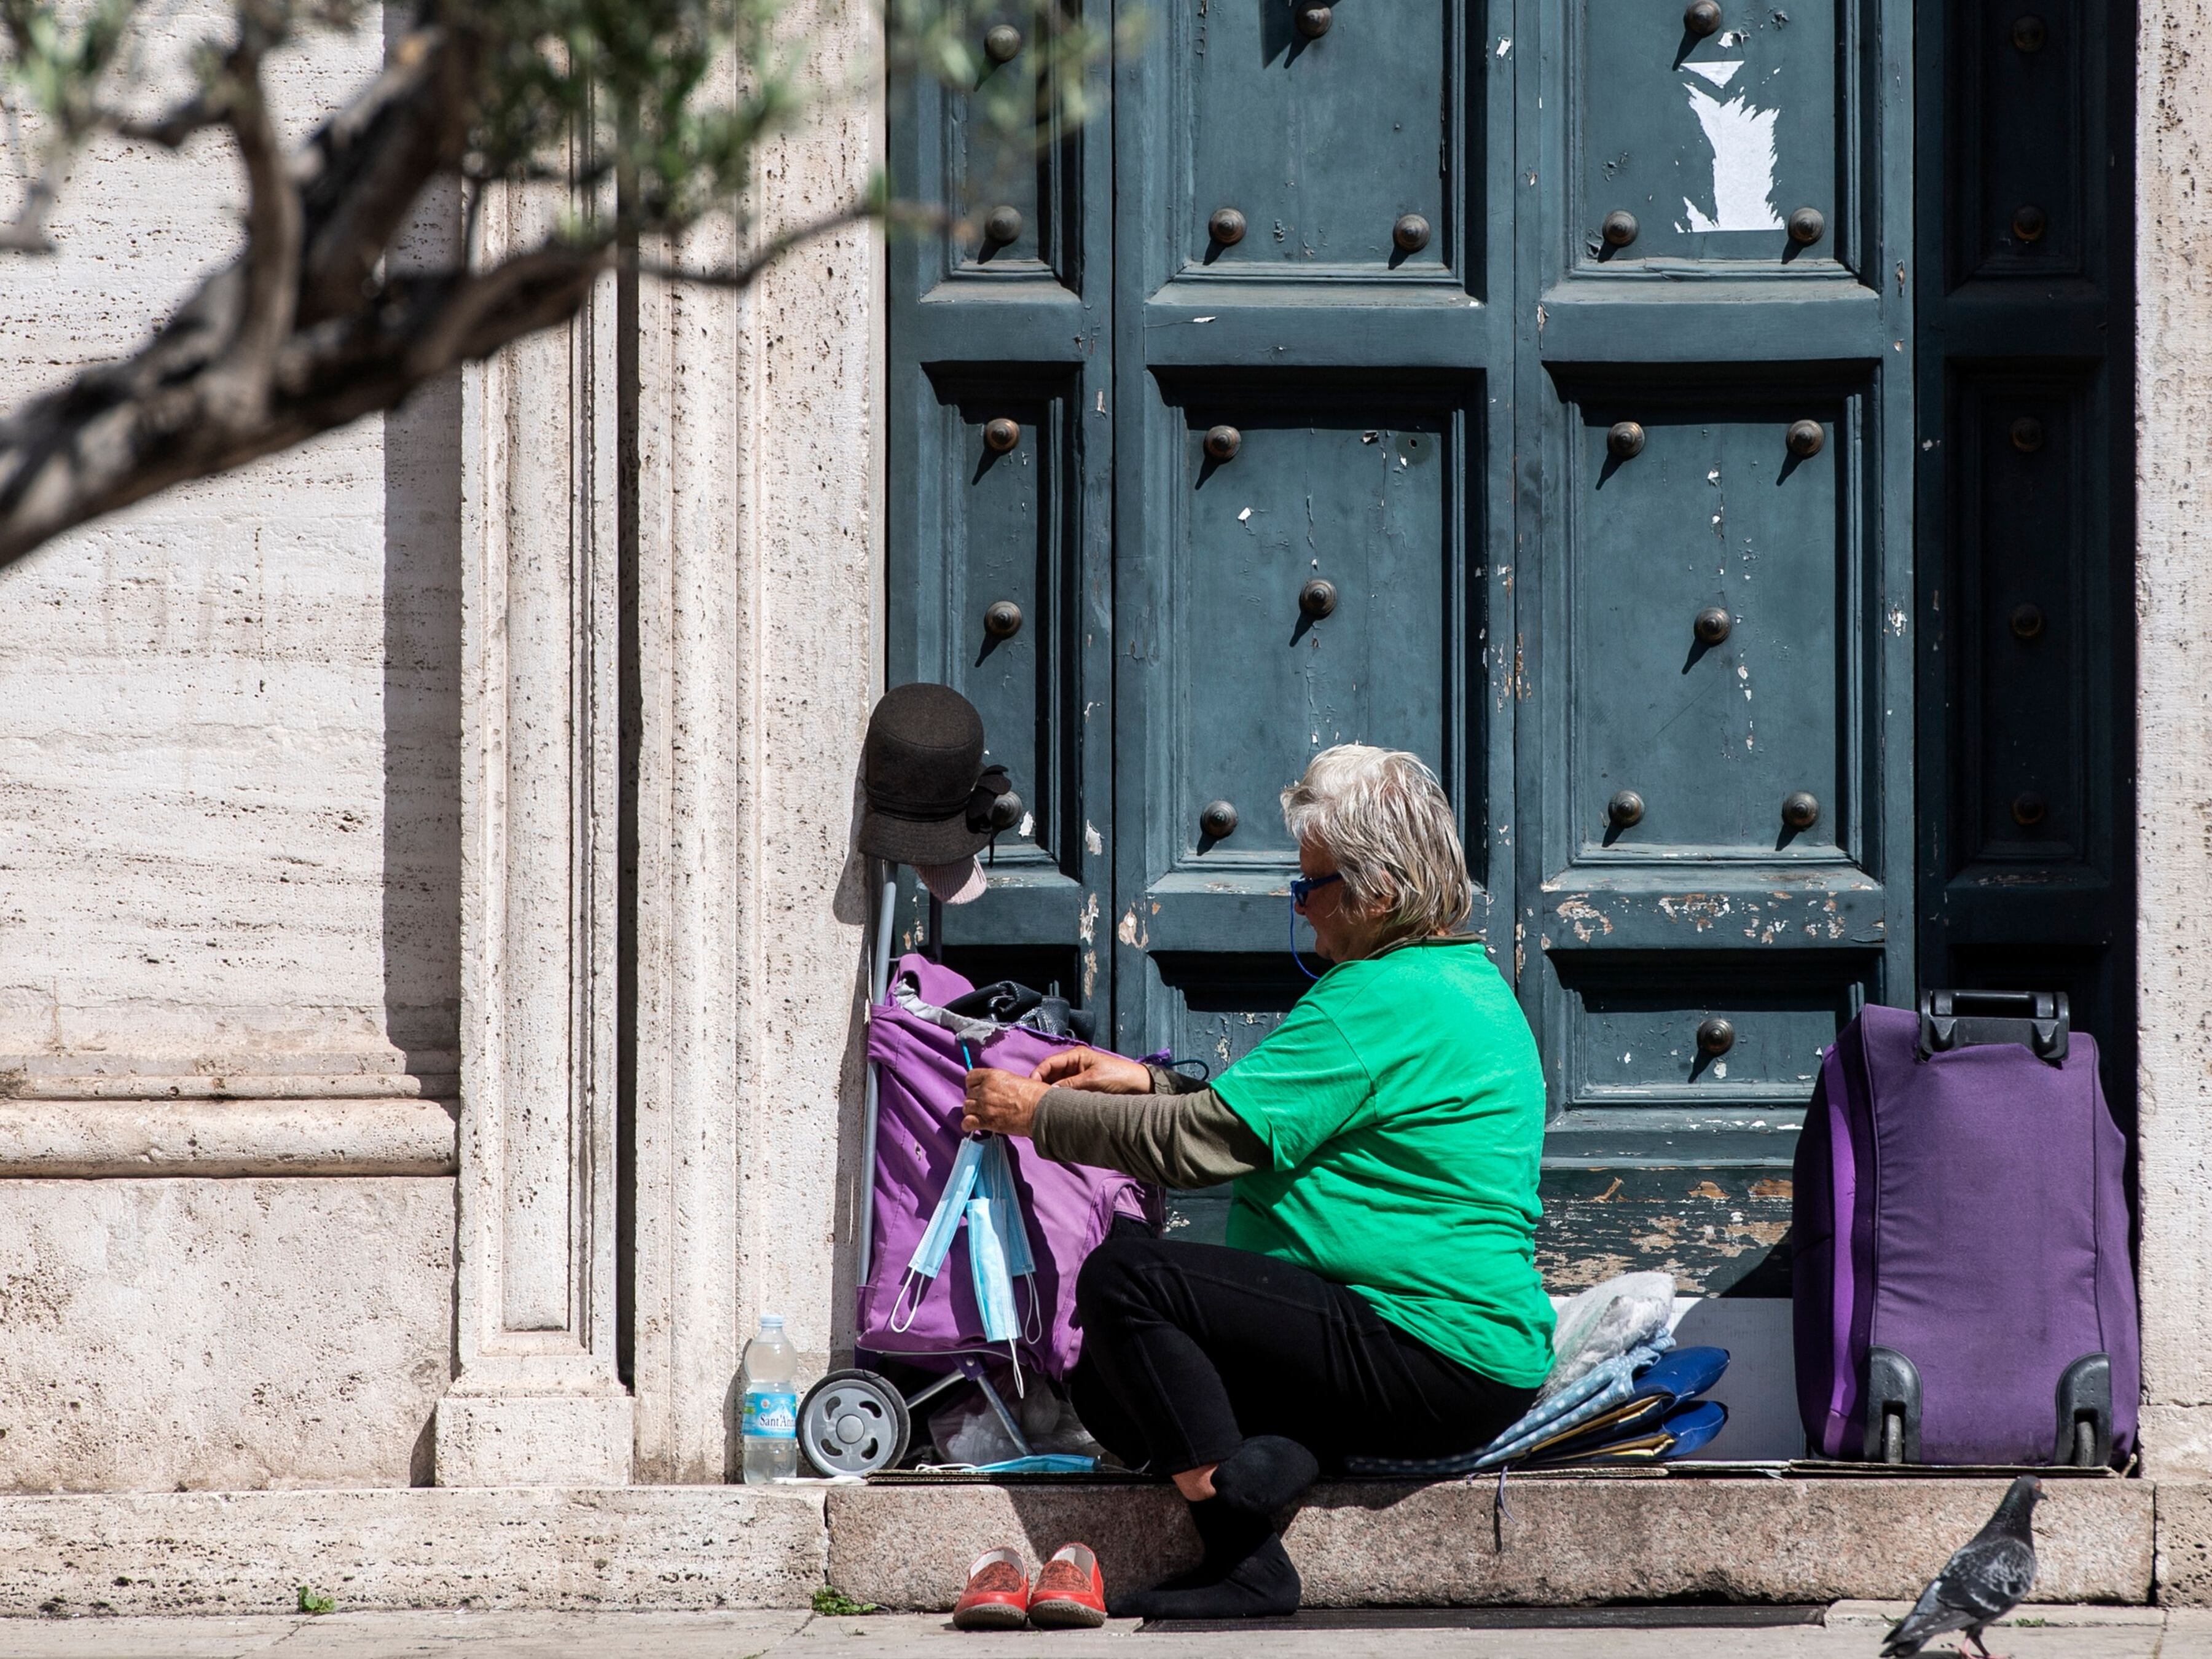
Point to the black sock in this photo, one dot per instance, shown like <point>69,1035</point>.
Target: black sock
<point>1226,1537</point>
<point>1265,1475</point>
<point>1264,1584</point>
<point>1242,1557</point>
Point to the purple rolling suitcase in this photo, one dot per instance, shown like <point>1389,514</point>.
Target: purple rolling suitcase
<point>1962,1287</point>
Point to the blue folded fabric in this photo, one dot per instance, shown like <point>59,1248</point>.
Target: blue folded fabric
<point>1660,1437</point>
<point>1601,1388</point>
<point>1618,1413</point>
<point>1682,1375</point>
<point>1694,1426</point>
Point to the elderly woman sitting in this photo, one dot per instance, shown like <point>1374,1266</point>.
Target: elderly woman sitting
<point>1378,1295</point>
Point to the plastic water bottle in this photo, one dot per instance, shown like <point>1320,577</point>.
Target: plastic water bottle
<point>771,1418</point>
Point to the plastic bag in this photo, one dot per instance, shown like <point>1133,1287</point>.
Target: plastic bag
<point>969,1431</point>
<point>1605,1321</point>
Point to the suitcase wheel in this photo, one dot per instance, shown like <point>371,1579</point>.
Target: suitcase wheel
<point>1892,1397</point>
<point>2084,1397</point>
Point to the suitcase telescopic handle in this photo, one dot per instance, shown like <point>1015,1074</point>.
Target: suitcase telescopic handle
<point>2038,1020</point>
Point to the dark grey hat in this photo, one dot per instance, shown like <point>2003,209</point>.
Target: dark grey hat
<point>929,799</point>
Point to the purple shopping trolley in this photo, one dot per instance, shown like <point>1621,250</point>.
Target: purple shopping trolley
<point>856,1421</point>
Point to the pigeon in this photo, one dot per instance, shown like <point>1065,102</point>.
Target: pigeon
<point>1990,1575</point>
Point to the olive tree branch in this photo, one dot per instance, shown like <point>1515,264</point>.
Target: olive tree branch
<point>238,390</point>
<point>313,325</point>
<point>748,271</point>
<point>196,114</point>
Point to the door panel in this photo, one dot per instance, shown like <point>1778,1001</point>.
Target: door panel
<point>1345,495</point>
<point>977,168</point>
<point>2021,118</point>
<point>2025,800</point>
<point>1322,145</point>
<point>1664,1033</point>
<point>1242,685</point>
<point>1699,902</point>
<point>1007,529</point>
<point>1714,515</point>
<point>1711,142</point>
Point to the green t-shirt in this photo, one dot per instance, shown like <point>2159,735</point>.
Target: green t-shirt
<point>1403,1105</point>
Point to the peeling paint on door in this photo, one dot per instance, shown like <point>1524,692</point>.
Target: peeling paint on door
<point>1741,136</point>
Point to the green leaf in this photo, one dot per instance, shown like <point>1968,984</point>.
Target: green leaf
<point>313,1601</point>
<point>832,1602</point>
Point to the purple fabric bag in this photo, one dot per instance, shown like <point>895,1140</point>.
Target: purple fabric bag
<point>1068,1207</point>
<point>1968,1211</point>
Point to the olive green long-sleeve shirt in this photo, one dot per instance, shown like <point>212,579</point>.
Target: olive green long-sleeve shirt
<point>1182,1135</point>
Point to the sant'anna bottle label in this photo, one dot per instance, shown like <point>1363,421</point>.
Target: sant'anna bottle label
<point>771,1415</point>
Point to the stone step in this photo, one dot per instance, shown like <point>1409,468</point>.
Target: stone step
<point>1557,1540</point>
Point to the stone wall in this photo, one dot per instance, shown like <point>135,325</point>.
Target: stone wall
<point>322,833</point>
<point>2173,380</point>
<point>229,903</point>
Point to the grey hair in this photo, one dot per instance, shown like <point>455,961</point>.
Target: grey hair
<point>1386,818</point>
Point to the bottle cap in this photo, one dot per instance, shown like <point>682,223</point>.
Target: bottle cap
<point>771,1322</point>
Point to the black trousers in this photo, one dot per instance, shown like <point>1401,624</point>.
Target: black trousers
<point>1189,1349</point>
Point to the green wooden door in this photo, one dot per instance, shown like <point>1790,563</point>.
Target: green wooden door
<point>1000,545</point>
<point>2024,284</point>
<point>1715,847</point>
<point>1533,386</point>
<point>1356,340</point>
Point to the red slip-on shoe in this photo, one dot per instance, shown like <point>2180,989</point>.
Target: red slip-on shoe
<point>1070,1595</point>
<point>998,1593</point>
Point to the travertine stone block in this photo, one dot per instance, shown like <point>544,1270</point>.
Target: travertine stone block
<point>2185,1543</point>
<point>1558,1540</point>
<point>241,1553</point>
<point>158,1333</point>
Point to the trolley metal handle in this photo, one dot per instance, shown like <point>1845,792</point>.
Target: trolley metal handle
<point>883,889</point>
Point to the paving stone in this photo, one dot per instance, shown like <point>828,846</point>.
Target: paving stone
<point>930,1636</point>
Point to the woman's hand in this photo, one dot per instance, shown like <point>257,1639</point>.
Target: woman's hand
<point>1000,1102</point>
<point>1100,1074</point>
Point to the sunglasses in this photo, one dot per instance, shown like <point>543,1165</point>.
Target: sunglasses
<point>1302,887</point>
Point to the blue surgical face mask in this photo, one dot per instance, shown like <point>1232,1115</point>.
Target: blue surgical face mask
<point>928,1259</point>
<point>995,1181</point>
<point>986,1262</point>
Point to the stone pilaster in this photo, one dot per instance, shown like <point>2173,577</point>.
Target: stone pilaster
<point>757,597</point>
<point>2174,524</point>
<point>538,1400</point>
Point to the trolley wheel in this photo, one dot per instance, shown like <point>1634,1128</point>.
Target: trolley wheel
<point>1892,1438</point>
<point>2085,1444</point>
<point>854,1422</point>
